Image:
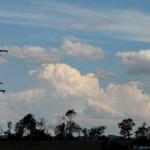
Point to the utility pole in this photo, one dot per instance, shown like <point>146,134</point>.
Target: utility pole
<point>4,51</point>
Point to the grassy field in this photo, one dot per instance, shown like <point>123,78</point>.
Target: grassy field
<point>63,145</point>
<point>67,145</point>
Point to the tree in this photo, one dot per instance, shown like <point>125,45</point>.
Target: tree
<point>19,129</point>
<point>85,133</point>
<point>60,131</point>
<point>29,124</point>
<point>1,130</point>
<point>72,128</point>
<point>26,126</point>
<point>41,124</point>
<point>78,130</point>
<point>126,127</point>
<point>97,132</point>
<point>70,114</point>
<point>9,125</point>
<point>142,131</point>
<point>67,127</point>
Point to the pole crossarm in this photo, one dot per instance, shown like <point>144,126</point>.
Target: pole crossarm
<point>4,51</point>
<point>3,91</point>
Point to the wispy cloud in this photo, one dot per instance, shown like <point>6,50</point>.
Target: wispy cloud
<point>121,24</point>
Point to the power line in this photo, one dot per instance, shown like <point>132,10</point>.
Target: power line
<point>122,78</point>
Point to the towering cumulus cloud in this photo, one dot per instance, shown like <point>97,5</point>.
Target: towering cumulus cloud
<point>85,93</point>
<point>61,87</point>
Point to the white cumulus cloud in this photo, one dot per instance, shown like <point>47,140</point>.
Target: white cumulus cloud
<point>136,62</point>
<point>32,53</point>
<point>69,80</point>
<point>126,100</point>
<point>85,93</point>
<point>62,87</point>
<point>82,50</point>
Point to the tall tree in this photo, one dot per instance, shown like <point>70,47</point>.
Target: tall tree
<point>60,128</point>
<point>72,128</point>
<point>27,126</point>
<point>67,127</point>
<point>9,125</point>
<point>29,123</point>
<point>126,127</point>
<point>19,129</point>
<point>70,114</point>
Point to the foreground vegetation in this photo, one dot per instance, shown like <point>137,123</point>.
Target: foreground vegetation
<point>29,133</point>
<point>64,145</point>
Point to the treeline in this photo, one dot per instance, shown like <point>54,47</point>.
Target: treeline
<point>28,128</point>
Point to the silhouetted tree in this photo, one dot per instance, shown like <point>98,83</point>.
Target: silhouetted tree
<point>78,130</point>
<point>41,129</point>
<point>9,125</point>
<point>1,130</point>
<point>60,131</point>
<point>85,133</point>
<point>126,127</point>
<point>67,127</point>
<point>41,124</point>
<point>70,114</point>
<point>26,126</point>
<point>29,124</point>
<point>97,132</point>
<point>8,132</point>
<point>19,129</point>
<point>72,128</point>
<point>142,131</point>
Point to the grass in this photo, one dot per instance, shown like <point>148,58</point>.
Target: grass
<point>53,145</point>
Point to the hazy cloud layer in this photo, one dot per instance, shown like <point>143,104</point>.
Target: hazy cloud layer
<point>15,104</point>
<point>136,62</point>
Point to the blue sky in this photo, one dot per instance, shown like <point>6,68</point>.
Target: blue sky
<point>92,56</point>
